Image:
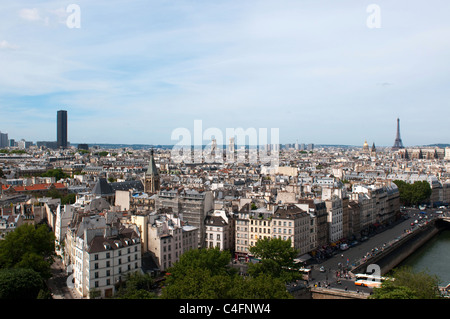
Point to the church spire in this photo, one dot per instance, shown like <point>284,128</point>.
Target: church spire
<point>152,169</point>
<point>151,176</point>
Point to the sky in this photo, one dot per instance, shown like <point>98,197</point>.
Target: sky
<point>133,72</point>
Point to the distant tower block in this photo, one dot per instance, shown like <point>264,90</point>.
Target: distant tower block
<point>398,144</point>
<point>61,129</point>
<point>213,146</point>
<point>231,146</point>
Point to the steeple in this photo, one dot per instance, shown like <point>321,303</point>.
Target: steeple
<point>151,176</point>
<point>152,169</point>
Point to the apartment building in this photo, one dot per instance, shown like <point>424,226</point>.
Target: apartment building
<point>242,231</point>
<point>219,230</point>
<point>193,205</point>
<point>260,225</point>
<point>290,222</point>
<point>101,253</point>
<point>335,218</point>
<point>168,238</point>
<point>318,209</point>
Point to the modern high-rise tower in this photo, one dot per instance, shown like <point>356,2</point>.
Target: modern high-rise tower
<point>398,144</point>
<point>61,129</point>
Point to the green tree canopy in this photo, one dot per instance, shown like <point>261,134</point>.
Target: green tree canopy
<point>413,194</point>
<point>277,259</point>
<point>19,283</point>
<point>57,173</point>
<point>136,286</point>
<point>212,259</point>
<point>29,246</point>
<point>206,274</point>
<point>263,286</point>
<point>408,285</point>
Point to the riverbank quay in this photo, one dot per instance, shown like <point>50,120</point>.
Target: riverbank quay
<point>394,252</point>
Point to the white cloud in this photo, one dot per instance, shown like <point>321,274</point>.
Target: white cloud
<point>229,62</point>
<point>6,45</point>
<point>46,16</point>
<point>30,14</point>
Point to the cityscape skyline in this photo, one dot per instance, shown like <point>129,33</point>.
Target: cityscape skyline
<point>318,72</point>
<point>62,139</point>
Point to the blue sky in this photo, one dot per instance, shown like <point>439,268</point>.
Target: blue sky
<point>137,70</point>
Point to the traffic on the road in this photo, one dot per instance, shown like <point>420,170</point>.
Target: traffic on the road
<point>335,272</point>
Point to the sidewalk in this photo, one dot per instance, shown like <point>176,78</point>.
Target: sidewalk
<point>58,283</point>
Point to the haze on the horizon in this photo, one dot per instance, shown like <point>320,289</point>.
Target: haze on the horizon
<point>136,70</point>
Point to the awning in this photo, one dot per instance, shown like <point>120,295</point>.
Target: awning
<point>302,258</point>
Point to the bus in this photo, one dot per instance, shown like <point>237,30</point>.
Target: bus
<point>368,283</point>
<point>369,277</point>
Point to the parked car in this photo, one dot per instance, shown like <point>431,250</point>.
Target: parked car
<point>353,243</point>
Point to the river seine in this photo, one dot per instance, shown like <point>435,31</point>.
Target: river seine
<point>433,257</point>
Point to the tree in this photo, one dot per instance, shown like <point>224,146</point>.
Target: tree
<point>136,286</point>
<point>263,286</point>
<point>211,259</point>
<point>198,283</point>
<point>200,273</point>
<point>206,274</point>
<point>56,173</point>
<point>277,259</point>
<point>20,283</point>
<point>68,199</point>
<point>29,246</point>
<point>408,285</point>
<point>413,194</point>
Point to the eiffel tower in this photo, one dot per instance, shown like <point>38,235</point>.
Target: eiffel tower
<point>398,144</point>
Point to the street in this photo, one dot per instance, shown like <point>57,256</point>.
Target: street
<point>334,265</point>
<point>58,283</point>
